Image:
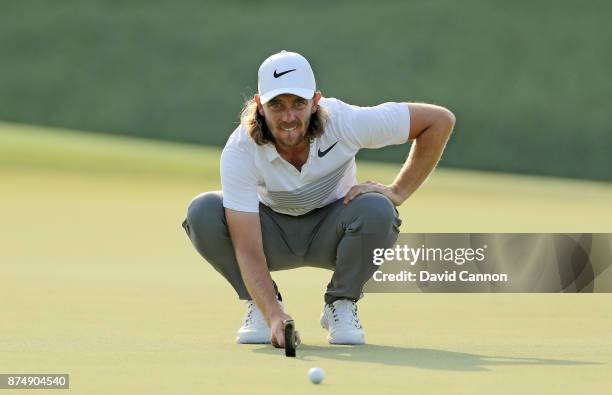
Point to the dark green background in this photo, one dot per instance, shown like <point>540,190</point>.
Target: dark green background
<point>528,81</point>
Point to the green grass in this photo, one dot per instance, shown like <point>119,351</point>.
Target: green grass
<point>99,281</point>
<point>64,150</point>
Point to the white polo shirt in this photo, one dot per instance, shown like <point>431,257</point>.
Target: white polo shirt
<point>252,173</point>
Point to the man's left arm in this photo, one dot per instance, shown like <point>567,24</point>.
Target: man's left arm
<point>430,129</point>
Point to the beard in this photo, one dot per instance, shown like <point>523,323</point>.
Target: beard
<point>289,139</point>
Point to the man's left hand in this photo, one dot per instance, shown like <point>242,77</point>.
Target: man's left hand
<point>370,186</point>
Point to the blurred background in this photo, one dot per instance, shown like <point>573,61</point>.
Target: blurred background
<point>528,81</point>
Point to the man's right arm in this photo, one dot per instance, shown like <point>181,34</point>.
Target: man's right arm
<point>245,231</point>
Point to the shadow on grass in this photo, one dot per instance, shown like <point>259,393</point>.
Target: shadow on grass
<point>423,358</point>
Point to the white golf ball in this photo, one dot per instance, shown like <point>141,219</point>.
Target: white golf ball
<point>316,375</point>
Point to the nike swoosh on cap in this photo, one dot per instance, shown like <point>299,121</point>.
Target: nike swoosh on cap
<point>276,75</point>
<point>323,153</point>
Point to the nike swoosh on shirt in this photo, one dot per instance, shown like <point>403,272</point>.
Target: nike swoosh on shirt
<point>276,75</point>
<point>323,153</point>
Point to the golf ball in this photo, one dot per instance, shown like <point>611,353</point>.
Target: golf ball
<point>316,375</point>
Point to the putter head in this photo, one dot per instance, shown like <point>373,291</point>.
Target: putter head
<point>290,344</point>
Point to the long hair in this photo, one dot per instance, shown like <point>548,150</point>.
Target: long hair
<point>256,126</point>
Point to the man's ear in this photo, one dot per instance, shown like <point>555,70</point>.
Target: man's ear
<point>315,102</point>
<point>259,105</point>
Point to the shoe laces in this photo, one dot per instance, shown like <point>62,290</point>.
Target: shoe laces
<point>345,311</point>
<point>253,314</point>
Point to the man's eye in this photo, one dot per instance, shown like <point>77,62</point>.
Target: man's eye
<point>300,104</point>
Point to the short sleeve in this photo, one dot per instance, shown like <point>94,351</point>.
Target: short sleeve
<point>375,127</point>
<point>239,180</point>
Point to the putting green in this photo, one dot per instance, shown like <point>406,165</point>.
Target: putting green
<point>99,281</point>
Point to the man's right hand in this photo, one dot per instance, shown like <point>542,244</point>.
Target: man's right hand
<point>245,231</point>
<point>277,329</point>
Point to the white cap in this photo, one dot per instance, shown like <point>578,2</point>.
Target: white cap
<point>285,72</point>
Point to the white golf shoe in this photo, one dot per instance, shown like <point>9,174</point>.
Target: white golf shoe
<point>342,322</point>
<point>255,329</point>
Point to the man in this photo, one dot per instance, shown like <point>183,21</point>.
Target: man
<point>290,197</point>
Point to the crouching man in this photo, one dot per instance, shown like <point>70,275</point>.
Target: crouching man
<point>290,196</point>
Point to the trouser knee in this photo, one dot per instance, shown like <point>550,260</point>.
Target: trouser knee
<point>205,216</point>
<point>374,213</point>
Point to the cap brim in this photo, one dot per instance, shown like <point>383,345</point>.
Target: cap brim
<point>304,93</point>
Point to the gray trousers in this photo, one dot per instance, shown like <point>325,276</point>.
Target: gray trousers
<point>337,237</point>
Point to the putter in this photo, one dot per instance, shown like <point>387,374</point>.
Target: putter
<point>290,341</point>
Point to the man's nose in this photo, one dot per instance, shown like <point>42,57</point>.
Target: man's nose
<point>288,115</point>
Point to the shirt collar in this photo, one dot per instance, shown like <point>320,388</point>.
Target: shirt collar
<point>272,153</point>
